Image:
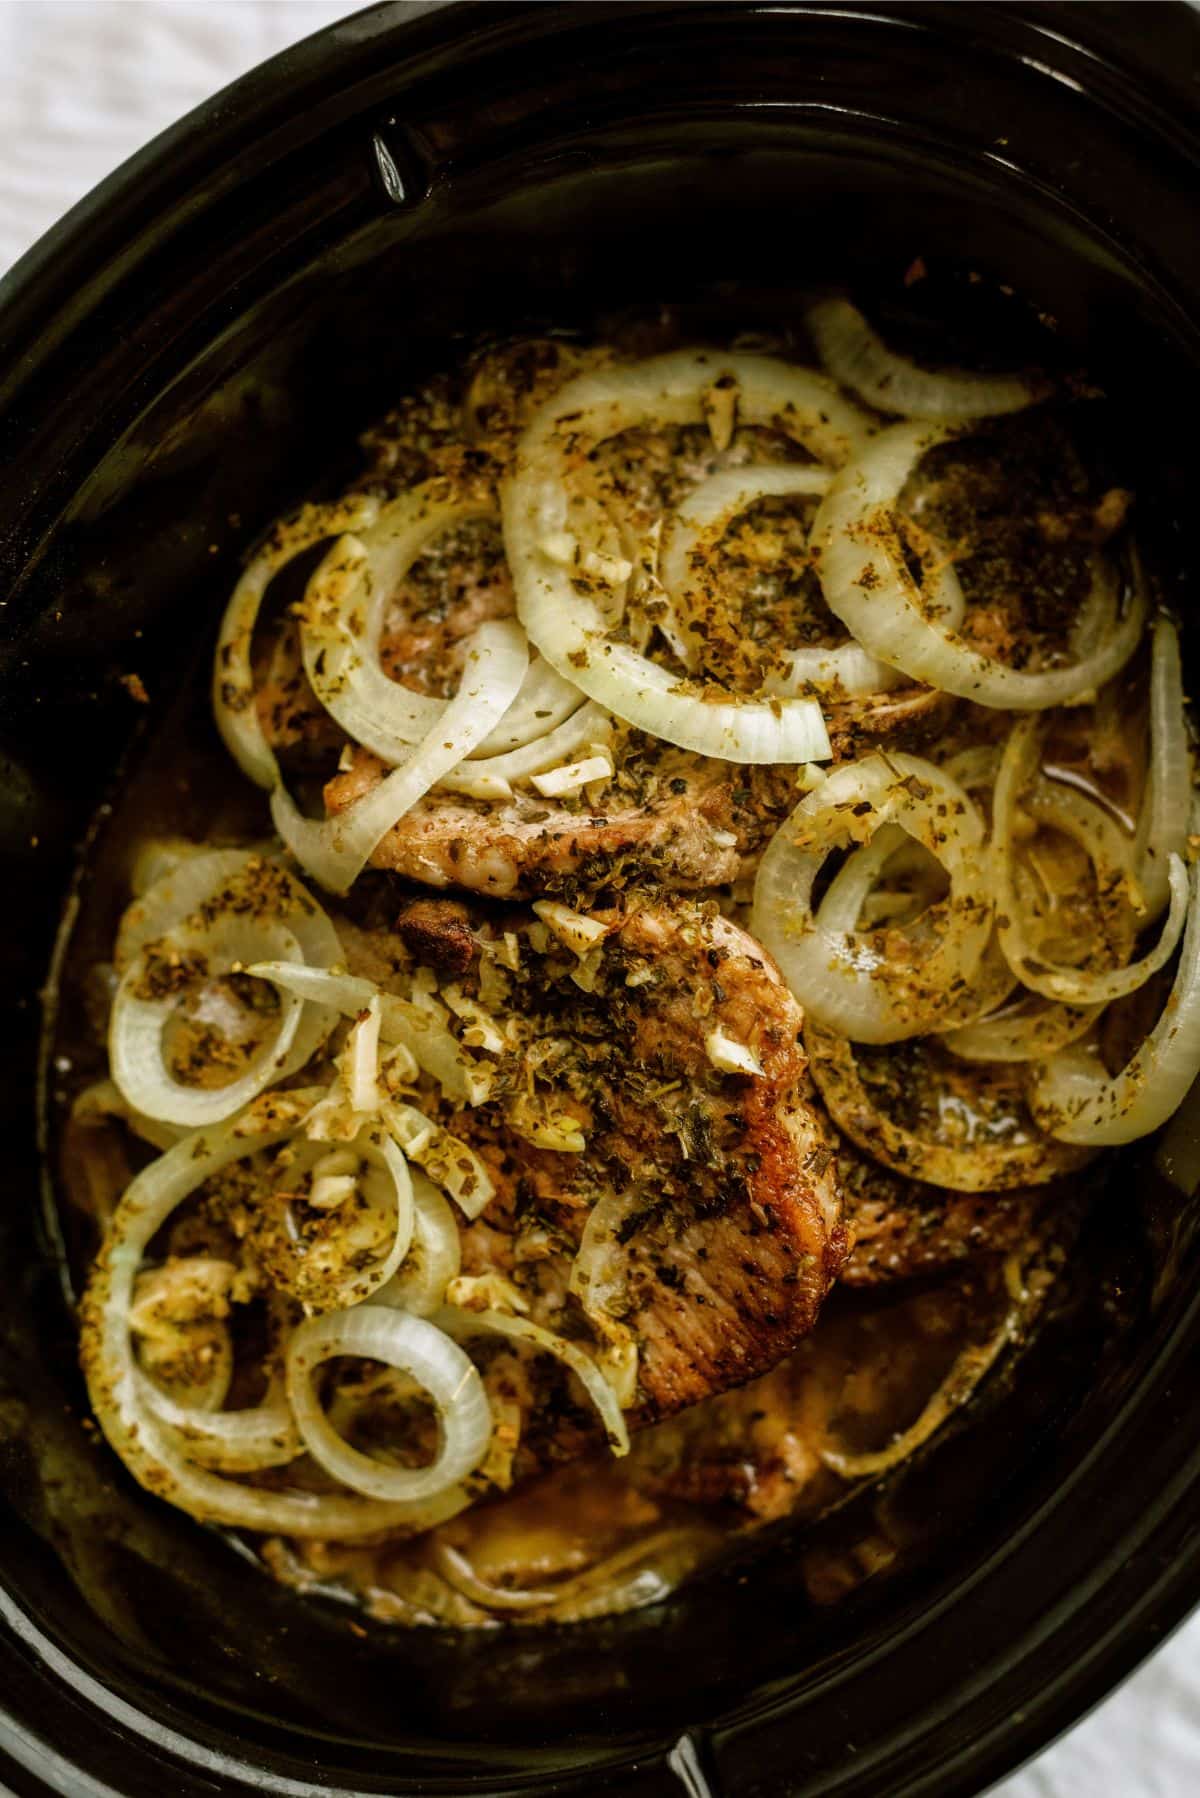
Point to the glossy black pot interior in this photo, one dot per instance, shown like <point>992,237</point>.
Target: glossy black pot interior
<point>180,358</point>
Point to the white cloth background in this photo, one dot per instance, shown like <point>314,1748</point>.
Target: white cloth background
<point>88,81</point>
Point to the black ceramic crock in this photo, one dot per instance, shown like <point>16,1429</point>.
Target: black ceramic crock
<point>177,358</point>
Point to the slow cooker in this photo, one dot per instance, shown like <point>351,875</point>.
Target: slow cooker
<point>179,359</point>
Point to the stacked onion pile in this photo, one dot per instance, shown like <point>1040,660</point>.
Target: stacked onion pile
<point>935,925</point>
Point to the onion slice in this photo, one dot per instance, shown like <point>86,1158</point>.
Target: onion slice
<point>1083,820</point>
<point>1163,821</point>
<point>700,522</point>
<point>336,851</point>
<point>149,1449</point>
<point>970,1366</point>
<point>433,1260</point>
<point>1073,1096</point>
<point>571,627</point>
<point>452,1163</point>
<point>988,1166</point>
<point>860,360</point>
<point>868,586</point>
<point>422,1029</point>
<point>845,979</point>
<point>233,676</point>
<point>343,616</point>
<point>224,910</point>
<point>417,1348</point>
<point>491,776</point>
<point>1028,1031</point>
<point>581,1364</point>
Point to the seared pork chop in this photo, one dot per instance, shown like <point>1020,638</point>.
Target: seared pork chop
<point>722,1227</point>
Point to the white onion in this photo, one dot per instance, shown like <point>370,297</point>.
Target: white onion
<point>452,1163</point>
<point>854,881</point>
<point>585,1369</point>
<point>343,617</point>
<point>149,1449</point>
<point>1085,821</point>
<point>987,1166</point>
<point>336,851</point>
<point>570,627</point>
<point>1028,1031</point>
<point>544,701</point>
<point>102,1099</point>
<point>438,1366</point>
<point>420,1028</point>
<point>491,777</point>
<point>233,678</point>
<point>867,585</point>
<point>1073,1096</point>
<point>212,907</point>
<point>1163,822</point>
<point>697,527</point>
<point>246,1441</point>
<point>700,522</point>
<point>434,1258</point>
<point>969,1367</point>
<point>856,357</point>
<point>344,612</point>
<point>842,979</point>
<point>597,1276</point>
<point>458,1572</point>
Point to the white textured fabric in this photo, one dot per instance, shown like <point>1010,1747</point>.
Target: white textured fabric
<point>87,82</point>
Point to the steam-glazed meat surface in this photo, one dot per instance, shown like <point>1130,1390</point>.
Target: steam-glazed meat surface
<point>725,1231</point>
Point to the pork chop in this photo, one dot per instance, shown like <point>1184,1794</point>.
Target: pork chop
<point>671,818</point>
<point>722,1224</point>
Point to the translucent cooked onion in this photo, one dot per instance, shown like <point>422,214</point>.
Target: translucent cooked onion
<point>1027,1031</point>
<point>697,527</point>
<point>458,1572</point>
<point>103,1099</point>
<point>598,1272</point>
<point>344,611</point>
<point>433,1260</point>
<point>149,1448</point>
<point>336,851</point>
<point>1085,821</point>
<point>860,360</point>
<point>845,980</point>
<point>233,676</point>
<point>452,1163</point>
<point>988,1166</point>
<point>243,1441</point>
<point>1074,1098</point>
<point>342,1289</point>
<point>969,1368</point>
<point>565,620</point>
<point>1163,822</point>
<point>701,521</point>
<point>867,585</point>
<point>429,1357</point>
<point>492,776</point>
<point>587,1372</point>
<point>221,911</point>
<point>421,1029</point>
